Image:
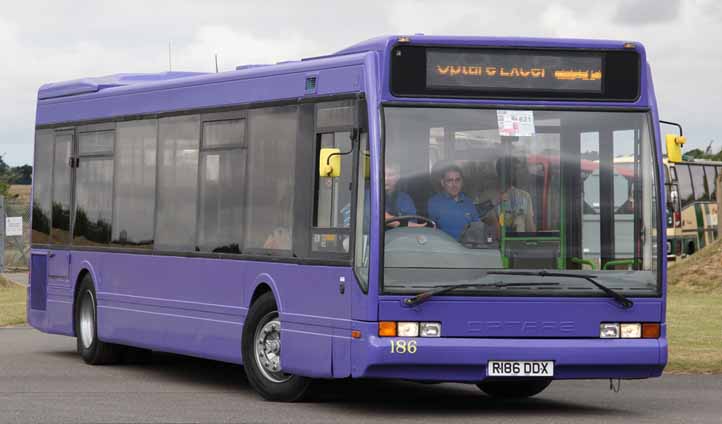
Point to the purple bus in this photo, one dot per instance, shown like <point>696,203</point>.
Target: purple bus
<point>409,207</point>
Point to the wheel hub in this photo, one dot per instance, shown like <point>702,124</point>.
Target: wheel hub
<point>87,320</point>
<point>267,348</point>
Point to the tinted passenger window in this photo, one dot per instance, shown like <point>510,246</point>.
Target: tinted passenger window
<point>94,201</point>
<point>223,168</point>
<point>60,232</point>
<point>135,159</point>
<point>42,184</point>
<point>95,142</point>
<point>698,182</point>
<point>684,182</point>
<point>272,142</point>
<point>709,172</point>
<point>177,183</point>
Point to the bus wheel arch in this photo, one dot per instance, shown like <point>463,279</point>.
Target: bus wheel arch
<point>259,291</point>
<point>691,247</point>
<point>261,351</point>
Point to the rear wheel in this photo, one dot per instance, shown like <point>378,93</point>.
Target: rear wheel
<point>91,349</point>
<point>513,388</point>
<point>261,348</point>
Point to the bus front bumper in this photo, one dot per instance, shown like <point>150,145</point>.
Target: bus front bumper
<point>465,359</point>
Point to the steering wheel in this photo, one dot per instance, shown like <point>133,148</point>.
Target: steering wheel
<point>406,218</point>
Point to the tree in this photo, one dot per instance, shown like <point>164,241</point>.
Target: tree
<point>22,174</point>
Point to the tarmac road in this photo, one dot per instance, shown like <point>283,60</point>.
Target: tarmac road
<point>43,380</point>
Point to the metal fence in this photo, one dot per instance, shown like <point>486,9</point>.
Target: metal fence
<point>14,249</point>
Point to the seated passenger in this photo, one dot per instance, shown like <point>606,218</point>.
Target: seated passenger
<point>515,208</point>
<point>397,202</point>
<point>452,209</point>
<point>279,239</point>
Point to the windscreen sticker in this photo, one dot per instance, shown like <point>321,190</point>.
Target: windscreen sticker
<point>515,123</point>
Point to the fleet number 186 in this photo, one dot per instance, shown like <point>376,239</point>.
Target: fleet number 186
<point>403,347</point>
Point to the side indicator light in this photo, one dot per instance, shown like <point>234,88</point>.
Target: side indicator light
<point>387,329</point>
<point>355,334</point>
<point>651,330</point>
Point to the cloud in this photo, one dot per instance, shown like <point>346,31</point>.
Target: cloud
<point>647,12</point>
<point>50,41</point>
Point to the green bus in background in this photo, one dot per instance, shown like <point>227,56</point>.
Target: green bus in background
<point>691,205</point>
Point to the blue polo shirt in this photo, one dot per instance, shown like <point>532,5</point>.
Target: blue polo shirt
<point>451,215</point>
<point>397,204</point>
<point>403,205</point>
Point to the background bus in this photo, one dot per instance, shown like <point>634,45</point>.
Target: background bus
<point>253,216</point>
<point>692,198</point>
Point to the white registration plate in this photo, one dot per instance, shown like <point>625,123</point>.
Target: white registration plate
<point>520,369</point>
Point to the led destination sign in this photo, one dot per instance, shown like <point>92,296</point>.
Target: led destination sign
<point>581,73</point>
<point>515,73</point>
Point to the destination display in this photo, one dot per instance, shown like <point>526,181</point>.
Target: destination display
<point>580,73</point>
<point>468,72</point>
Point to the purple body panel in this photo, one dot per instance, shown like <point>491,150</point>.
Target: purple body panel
<point>197,306</point>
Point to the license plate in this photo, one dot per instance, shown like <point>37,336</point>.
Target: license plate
<point>520,369</point>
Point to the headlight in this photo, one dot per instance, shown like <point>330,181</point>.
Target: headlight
<point>430,329</point>
<point>609,331</point>
<point>631,330</point>
<point>408,329</point>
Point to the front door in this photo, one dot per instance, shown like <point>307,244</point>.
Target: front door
<point>60,233</point>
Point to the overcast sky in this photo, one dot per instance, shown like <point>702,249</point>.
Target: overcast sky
<point>48,41</point>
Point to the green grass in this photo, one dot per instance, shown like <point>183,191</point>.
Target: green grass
<point>694,329</point>
<point>12,303</point>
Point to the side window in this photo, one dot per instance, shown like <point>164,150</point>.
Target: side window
<point>684,180</point>
<point>94,188</point>
<point>135,173</point>
<point>363,213</point>
<point>333,195</point>
<point>271,171</point>
<point>42,185</point>
<point>698,182</point>
<point>60,231</point>
<point>332,211</point>
<point>177,183</point>
<point>711,180</point>
<point>222,174</point>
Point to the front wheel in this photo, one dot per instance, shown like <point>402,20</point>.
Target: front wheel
<point>261,349</point>
<point>513,388</point>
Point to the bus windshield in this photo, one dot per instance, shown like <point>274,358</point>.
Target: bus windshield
<point>468,190</point>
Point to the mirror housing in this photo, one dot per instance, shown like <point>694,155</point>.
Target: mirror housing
<point>674,147</point>
<point>329,162</point>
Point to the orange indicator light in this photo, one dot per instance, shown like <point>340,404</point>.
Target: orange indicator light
<point>650,330</point>
<point>387,329</point>
<point>355,334</point>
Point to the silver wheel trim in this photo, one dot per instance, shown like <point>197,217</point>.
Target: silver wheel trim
<point>267,348</point>
<point>87,319</point>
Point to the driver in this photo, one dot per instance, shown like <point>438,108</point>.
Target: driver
<point>397,202</point>
<point>452,209</point>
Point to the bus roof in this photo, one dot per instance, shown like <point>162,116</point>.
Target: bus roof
<point>122,94</point>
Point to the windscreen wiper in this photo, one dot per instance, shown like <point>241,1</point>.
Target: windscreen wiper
<point>619,298</point>
<point>424,296</point>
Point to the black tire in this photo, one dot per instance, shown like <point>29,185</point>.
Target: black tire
<point>91,349</point>
<point>271,385</point>
<point>513,389</point>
